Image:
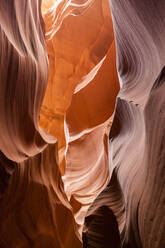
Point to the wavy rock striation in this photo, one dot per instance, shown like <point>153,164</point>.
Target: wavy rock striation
<point>33,206</point>
<point>80,98</point>
<point>135,192</point>
<point>58,76</point>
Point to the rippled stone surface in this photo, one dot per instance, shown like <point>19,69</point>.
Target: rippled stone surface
<point>63,182</point>
<point>80,99</point>
<point>135,192</point>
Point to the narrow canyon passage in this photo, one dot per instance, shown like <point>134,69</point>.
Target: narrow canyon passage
<point>82,124</point>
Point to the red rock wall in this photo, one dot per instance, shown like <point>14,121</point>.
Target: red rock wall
<point>34,211</point>
<point>135,192</point>
<point>63,183</point>
<point>80,100</point>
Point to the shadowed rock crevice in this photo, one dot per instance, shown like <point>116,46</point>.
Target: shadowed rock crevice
<point>7,168</point>
<point>101,229</point>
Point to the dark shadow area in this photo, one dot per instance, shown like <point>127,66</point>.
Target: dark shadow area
<point>101,230</point>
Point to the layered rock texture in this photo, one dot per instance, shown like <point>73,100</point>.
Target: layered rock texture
<point>80,99</point>
<point>82,163</point>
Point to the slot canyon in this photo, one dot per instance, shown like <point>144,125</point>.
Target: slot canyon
<point>82,135</point>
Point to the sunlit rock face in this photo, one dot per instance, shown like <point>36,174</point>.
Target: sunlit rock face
<point>46,188</point>
<point>80,97</point>
<point>63,183</point>
<point>87,138</point>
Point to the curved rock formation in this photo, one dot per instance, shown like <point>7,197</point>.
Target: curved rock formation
<point>82,89</point>
<point>87,171</point>
<point>39,214</point>
<point>137,134</point>
<point>24,62</point>
<point>33,202</point>
<point>58,93</point>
